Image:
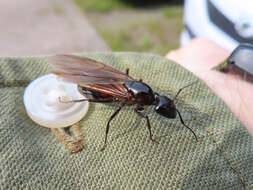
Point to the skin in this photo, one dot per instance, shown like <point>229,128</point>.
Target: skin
<point>199,56</point>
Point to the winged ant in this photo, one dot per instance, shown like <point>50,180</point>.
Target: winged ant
<point>103,83</point>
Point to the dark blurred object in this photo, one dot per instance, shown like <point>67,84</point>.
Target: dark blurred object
<point>240,62</point>
<point>143,3</point>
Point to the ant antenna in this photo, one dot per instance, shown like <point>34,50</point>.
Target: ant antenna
<point>182,121</point>
<point>183,88</point>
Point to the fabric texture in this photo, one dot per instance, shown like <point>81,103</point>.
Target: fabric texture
<point>32,158</point>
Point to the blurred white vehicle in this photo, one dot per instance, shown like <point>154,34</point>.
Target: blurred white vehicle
<point>227,22</point>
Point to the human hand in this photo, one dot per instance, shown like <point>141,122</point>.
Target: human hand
<point>199,56</point>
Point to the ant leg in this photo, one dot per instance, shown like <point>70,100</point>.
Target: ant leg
<point>88,100</point>
<point>137,110</point>
<point>72,101</point>
<point>127,71</point>
<point>182,121</point>
<point>108,125</point>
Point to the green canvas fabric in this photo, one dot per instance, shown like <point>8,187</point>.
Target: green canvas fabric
<point>32,158</point>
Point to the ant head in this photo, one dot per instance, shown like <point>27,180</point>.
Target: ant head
<point>165,107</point>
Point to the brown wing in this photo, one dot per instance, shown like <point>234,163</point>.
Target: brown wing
<point>90,74</point>
<point>82,70</point>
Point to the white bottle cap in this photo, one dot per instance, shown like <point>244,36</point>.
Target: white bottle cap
<point>42,102</point>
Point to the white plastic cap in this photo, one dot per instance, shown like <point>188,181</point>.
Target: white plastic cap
<point>41,100</point>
